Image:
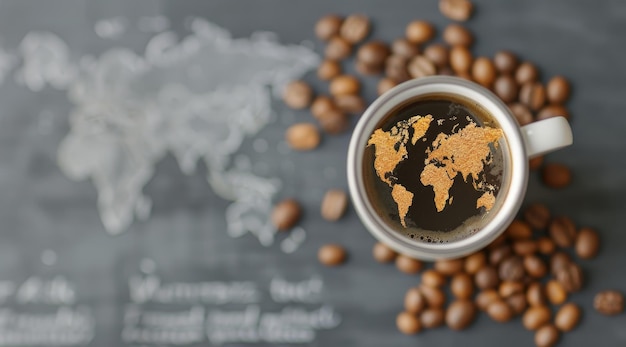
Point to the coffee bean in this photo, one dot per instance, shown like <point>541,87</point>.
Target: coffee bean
<point>556,175</point>
<point>419,31</point>
<point>462,286</point>
<point>420,66</point>
<point>587,243</point>
<point>497,255</point>
<point>486,278</point>
<point>449,267</point>
<point>522,113</point>
<point>558,90</point>
<point>500,311</point>
<point>328,69</point>
<point>545,245</point>
<point>555,292</point>
<point>460,59</point>
<point>559,261</point>
<point>373,53</point>
<point>321,106</point>
<point>404,48</point>
<point>500,241</point>
<point>475,262</point>
<point>506,88</point>
<point>509,288</point>
<point>334,204</point>
<point>562,231</point>
<point>571,277</point>
<point>433,278</point>
<point>302,136</point>
<point>537,216</point>
<point>414,302</point>
<point>286,214</point>
<point>383,254</point>
<point>457,35</point>
<point>355,28</point>
<point>547,336</point>
<point>536,316</point>
<point>396,68</point>
<point>519,230</point>
<point>446,71</point>
<point>505,62</point>
<point>350,103</point>
<point>435,297</point>
<point>459,10</point>
<point>567,317</point>
<point>327,27</point>
<point>432,318</point>
<point>337,48</point>
<point>609,302</point>
<point>334,122</point>
<point>438,54</point>
<point>344,84</point>
<point>535,294</point>
<point>485,298</point>
<point>524,247</point>
<point>511,269</point>
<point>533,95</point>
<point>526,73</point>
<point>384,85</point>
<point>408,265</point>
<point>298,95</point>
<point>408,324</point>
<point>518,303</point>
<point>550,111</point>
<point>535,266</point>
<point>460,314</point>
<point>367,69</point>
<point>483,71</point>
<point>331,255</point>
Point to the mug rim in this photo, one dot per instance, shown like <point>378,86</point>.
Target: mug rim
<point>518,177</point>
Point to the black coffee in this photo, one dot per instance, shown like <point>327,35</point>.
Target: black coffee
<point>434,166</point>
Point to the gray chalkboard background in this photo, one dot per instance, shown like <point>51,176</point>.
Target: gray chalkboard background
<point>185,236</point>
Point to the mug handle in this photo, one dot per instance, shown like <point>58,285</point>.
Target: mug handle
<point>546,136</point>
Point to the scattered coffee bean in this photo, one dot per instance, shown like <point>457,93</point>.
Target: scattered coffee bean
<point>497,255</point>
<point>545,245</point>
<point>408,324</point>
<point>286,214</point>
<point>562,231</point>
<point>571,277</point>
<point>344,84</point>
<point>506,88</point>
<point>536,316</point>
<point>435,297</point>
<point>537,216</point>
<point>446,71</point>
<point>555,292</point>
<point>524,247</point>
<point>519,230</point>
<point>535,163</point>
<point>396,68</point>
<point>302,136</point>
<point>373,53</point>
<point>408,265</point>
<point>559,261</point>
<point>432,317</point>
<point>321,106</point>
<point>500,311</point>
<point>328,70</point>
<point>547,336</point>
<point>462,286</point>
<point>486,278</point>
<point>511,269</point>
<point>328,26</point>
<point>533,95</point>
<point>483,71</point>
<point>460,314</point>
<point>404,48</point>
<point>500,241</point>
<point>384,85</point>
<point>535,267</point>
<point>556,175</point>
<point>337,48</point>
<point>505,62</point>
<point>526,73</point>
<point>414,302</point>
<point>518,303</point>
<point>350,103</point>
<point>298,95</point>
<point>419,31</point>
<point>331,255</point>
<point>475,262</point>
<point>550,111</point>
<point>535,294</point>
<point>334,122</point>
<point>522,113</point>
<point>438,54</point>
<point>558,90</point>
<point>368,69</point>
<point>355,28</point>
<point>459,10</point>
<point>567,317</point>
<point>449,267</point>
<point>609,302</point>
<point>334,204</point>
<point>457,35</point>
<point>509,288</point>
<point>383,254</point>
<point>587,243</point>
<point>433,278</point>
<point>420,66</point>
<point>460,59</point>
<point>485,298</point>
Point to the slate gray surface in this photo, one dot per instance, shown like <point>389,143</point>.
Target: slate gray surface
<point>41,209</point>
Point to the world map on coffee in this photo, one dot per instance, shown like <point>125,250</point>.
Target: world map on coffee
<point>465,151</point>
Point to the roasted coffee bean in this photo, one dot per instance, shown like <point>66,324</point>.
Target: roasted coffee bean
<point>562,231</point>
<point>334,122</point>
<point>328,69</point>
<point>355,28</point>
<point>408,265</point>
<point>533,95</point>
<point>408,323</point>
<point>286,214</point>
<point>511,269</point>
<point>419,31</point>
<point>500,311</point>
<point>396,68</point>
<point>449,267</point>
<point>483,71</point>
<point>331,255</point>
<point>432,317</point>
<point>535,294</point>
<point>446,71</point>
<point>508,288</point>
<point>526,73</point>
<point>404,48</point>
<point>505,62</point>
<point>497,255</point>
<point>522,113</point>
<point>567,317</point>
<point>457,35</point>
<point>337,48</point>
<point>506,88</point>
<point>460,59</point>
<point>462,286</point>
<point>485,298</point>
<point>486,278</point>
<point>433,278</point>
<point>571,277</point>
<point>321,106</point>
<point>383,254</point>
<point>420,66</point>
<point>537,216</point>
<point>524,247</point>
<point>344,84</point>
<point>385,84</point>
<point>545,245</point>
<point>328,26</point>
<point>475,262</point>
<point>334,204</point>
<point>519,230</point>
<point>555,292</point>
<point>303,136</point>
<point>368,69</point>
<point>609,302</point>
<point>435,297</point>
<point>558,90</point>
<point>518,303</point>
<point>547,336</point>
<point>414,302</point>
<point>298,95</point>
<point>535,266</point>
<point>550,111</point>
<point>500,241</point>
<point>438,54</point>
<point>535,163</point>
<point>536,316</point>
<point>373,53</point>
<point>459,10</point>
<point>587,243</point>
<point>556,176</point>
<point>350,103</point>
<point>558,261</point>
<point>460,314</point>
